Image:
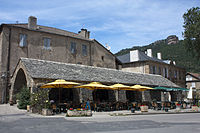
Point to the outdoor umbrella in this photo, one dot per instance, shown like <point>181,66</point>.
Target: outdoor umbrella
<point>140,88</point>
<point>60,83</point>
<point>94,85</point>
<point>163,88</point>
<point>120,87</point>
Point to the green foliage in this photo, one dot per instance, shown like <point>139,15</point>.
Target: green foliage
<point>40,100</point>
<point>176,52</point>
<point>24,98</point>
<point>192,31</point>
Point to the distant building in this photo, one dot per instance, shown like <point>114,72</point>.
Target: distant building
<point>172,39</point>
<point>193,82</point>
<point>137,61</point>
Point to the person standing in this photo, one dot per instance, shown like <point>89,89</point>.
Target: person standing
<point>87,106</point>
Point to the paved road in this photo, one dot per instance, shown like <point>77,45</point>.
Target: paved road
<point>15,121</point>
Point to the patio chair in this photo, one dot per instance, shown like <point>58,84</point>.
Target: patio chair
<point>55,109</point>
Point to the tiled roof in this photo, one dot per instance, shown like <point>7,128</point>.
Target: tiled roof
<point>74,72</point>
<point>51,30</point>
<point>142,57</point>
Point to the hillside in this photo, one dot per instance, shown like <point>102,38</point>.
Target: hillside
<point>175,52</point>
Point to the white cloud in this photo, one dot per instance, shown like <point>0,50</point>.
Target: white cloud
<point>124,22</point>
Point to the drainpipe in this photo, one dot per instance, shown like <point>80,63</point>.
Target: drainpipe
<point>8,66</point>
<point>90,53</point>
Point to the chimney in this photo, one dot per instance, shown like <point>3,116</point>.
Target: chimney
<point>32,23</point>
<point>149,52</point>
<point>159,56</point>
<point>134,55</point>
<point>84,33</point>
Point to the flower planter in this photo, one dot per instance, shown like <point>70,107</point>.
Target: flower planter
<point>46,112</point>
<point>78,113</point>
<point>28,108</point>
<point>178,107</point>
<point>194,108</point>
<point>144,108</point>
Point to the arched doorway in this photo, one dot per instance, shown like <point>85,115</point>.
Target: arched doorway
<point>20,82</point>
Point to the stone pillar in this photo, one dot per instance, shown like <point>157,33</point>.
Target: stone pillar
<point>162,96</point>
<point>146,96</point>
<point>76,93</point>
<point>121,97</point>
<point>84,94</point>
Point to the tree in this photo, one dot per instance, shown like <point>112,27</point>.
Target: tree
<point>24,98</point>
<point>192,31</point>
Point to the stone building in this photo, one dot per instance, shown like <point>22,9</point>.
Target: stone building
<point>137,61</point>
<point>34,72</point>
<point>172,39</point>
<point>193,82</point>
<point>31,40</point>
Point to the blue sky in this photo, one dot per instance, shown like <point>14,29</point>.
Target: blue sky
<point>120,23</point>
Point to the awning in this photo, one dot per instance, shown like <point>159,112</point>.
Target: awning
<point>171,89</point>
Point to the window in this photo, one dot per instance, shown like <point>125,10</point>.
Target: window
<point>154,69</point>
<point>47,42</point>
<point>159,71</point>
<point>84,50</point>
<point>175,74</point>
<point>151,69</point>
<point>23,40</point>
<point>102,58</point>
<point>73,47</point>
<point>193,85</point>
<point>179,75</point>
<point>163,72</point>
<point>166,73</point>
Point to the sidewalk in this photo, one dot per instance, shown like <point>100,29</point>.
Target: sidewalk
<point>7,110</point>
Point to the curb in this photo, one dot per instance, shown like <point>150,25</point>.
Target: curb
<point>126,114</point>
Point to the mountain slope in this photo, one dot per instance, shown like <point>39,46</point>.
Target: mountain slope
<point>175,52</point>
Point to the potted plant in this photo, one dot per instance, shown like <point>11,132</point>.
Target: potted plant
<point>194,108</point>
<point>144,108</point>
<point>46,109</point>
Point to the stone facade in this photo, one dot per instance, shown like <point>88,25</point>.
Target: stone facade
<point>87,51</point>
<point>193,82</point>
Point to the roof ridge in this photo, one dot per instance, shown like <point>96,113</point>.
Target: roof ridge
<point>23,58</point>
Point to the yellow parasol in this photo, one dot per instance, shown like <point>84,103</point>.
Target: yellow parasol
<point>60,83</point>
<point>120,87</point>
<point>140,88</point>
<point>94,85</point>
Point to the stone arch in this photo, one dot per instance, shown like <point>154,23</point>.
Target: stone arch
<point>20,81</point>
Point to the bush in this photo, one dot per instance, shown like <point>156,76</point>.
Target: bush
<point>40,100</point>
<point>24,98</point>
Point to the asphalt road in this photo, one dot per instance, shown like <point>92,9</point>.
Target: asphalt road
<point>22,122</point>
